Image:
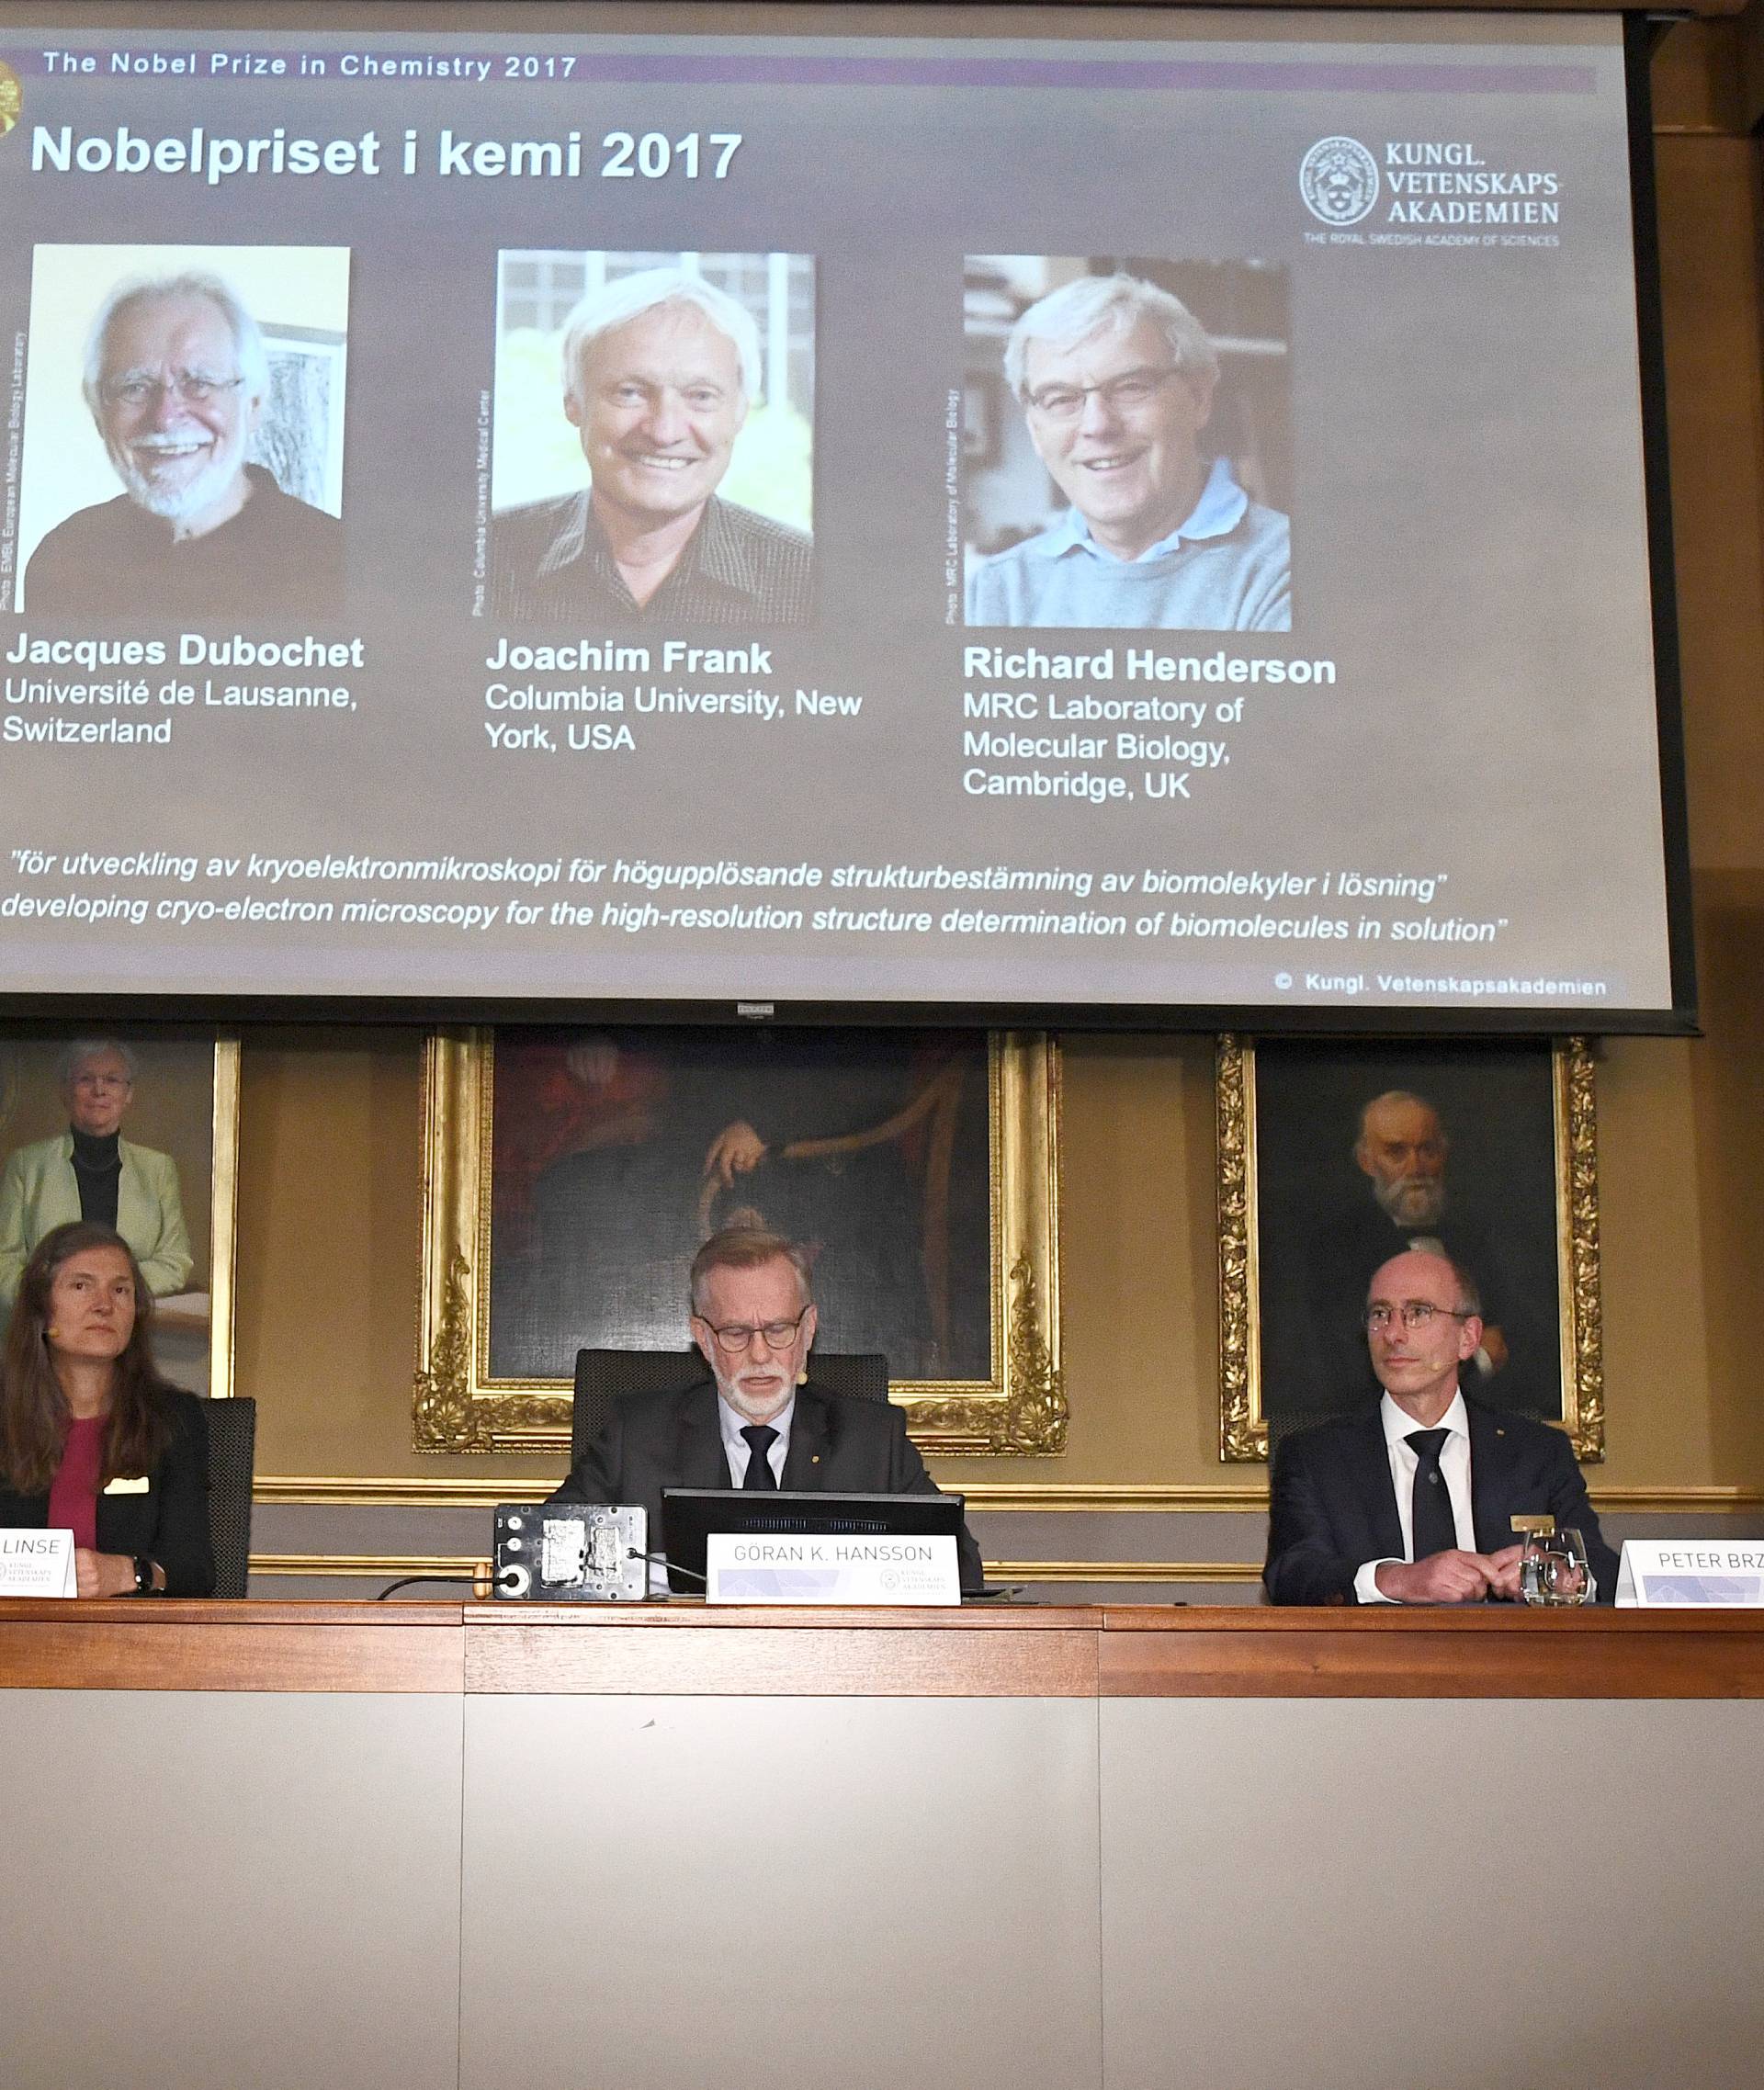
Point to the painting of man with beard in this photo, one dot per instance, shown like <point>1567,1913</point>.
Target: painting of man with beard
<point>1365,1151</point>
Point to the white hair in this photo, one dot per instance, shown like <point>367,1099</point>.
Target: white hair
<point>75,1056</point>
<point>613,303</point>
<point>1397,1098</point>
<point>247,336</point>
<point>1075,311</point>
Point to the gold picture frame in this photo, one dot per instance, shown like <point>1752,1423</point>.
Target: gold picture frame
<point>458,1406</point>
<point>185,1111</point>
<point>223,1216</point>
<point>1566,1066</point>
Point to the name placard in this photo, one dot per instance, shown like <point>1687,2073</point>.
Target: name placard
<point>37,1564</point>
<point>748,1568</point>
<point>1692,1574</point>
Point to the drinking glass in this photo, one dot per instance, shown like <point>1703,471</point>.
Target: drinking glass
<point>1552,1568</point>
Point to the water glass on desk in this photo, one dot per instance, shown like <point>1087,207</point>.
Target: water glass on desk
<point>1553,1567</point>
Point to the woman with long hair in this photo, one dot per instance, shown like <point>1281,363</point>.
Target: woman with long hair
<point>92,1439</point>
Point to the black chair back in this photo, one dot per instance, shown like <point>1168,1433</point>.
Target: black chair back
<point>603,1376</point>
<point>232,1441</point>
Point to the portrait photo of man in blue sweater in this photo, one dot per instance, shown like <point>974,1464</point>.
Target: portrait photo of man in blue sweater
<point>1116,381</point>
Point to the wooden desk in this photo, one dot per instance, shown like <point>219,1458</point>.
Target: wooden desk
<point>686,1649</point>
<point>440,1845</point>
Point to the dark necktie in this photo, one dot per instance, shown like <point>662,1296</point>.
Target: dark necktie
<point>761,1438</point>
<point>1435,1528</point>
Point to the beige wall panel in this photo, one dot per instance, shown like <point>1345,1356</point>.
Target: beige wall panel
<point>1697,78</point>
<point>1709,235</point>
<point>1728,1094</point>
<point>1658,1430</point>
<point>1140,1280</point>
<point>330,1232</point>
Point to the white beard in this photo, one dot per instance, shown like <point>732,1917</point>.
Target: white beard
<point>1412,1200</point>
<point>176,502</point>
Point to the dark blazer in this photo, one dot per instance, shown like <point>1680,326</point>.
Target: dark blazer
<point>838,1445</point>
<point>1332,1506</point>
<point>168,1522</point>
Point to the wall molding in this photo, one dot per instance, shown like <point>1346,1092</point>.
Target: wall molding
<point>1081,1496</point>
<point>461,1493</point>
<point>1675,1501</point>
<point>369,1565</point>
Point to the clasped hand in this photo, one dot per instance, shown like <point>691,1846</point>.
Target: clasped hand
<point>1453,1577</point>
<point>103,1573</point>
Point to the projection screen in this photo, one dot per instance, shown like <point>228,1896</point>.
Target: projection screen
<point>1136,515</point>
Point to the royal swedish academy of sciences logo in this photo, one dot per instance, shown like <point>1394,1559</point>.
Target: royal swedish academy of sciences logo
<point>1339,180</point>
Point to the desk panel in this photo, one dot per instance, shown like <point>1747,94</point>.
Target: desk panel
<point>1427,1896</point>
<point>213,1890</point>
<point>130,1645</point>
<point>755,1892</point>
<point>1389,1652</point>
<point>469,1845</point>
<point>693,1648</point>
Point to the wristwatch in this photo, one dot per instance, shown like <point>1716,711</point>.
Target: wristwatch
<point>144,1576</point>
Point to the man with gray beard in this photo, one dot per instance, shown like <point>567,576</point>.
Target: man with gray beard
<point>1401,1150</point>
<point>177,377</point>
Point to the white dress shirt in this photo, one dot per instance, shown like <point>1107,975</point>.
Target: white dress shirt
<point>732,1422</point>
<point>1455,1470</point>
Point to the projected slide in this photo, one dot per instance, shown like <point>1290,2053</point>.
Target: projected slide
<point>1146,521</point>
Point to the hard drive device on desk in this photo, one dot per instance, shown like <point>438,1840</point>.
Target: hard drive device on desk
<point>571,1553</point>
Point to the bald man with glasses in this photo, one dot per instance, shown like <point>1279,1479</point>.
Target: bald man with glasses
<point>1412,1502</point>
<point>759,1421</point>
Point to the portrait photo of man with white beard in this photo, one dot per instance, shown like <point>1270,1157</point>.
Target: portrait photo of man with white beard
<point>1370,1151</point>
<point>177,376</point>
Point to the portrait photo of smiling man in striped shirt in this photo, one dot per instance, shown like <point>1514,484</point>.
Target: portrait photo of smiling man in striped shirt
<point>661,370</point>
